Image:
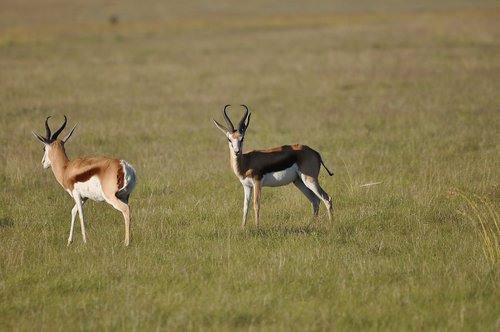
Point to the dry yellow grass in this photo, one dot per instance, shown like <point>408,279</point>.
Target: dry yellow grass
<point>405,94</point>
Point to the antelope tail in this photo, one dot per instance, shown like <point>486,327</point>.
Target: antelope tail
<point>329,173</point>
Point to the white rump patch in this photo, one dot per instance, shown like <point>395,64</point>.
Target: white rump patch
<point>281,178</point>
<point>130,178</point>
<point>91,189</point>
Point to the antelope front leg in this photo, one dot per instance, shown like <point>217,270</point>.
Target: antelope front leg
<point>73,218</point>
<point>246,203</point>
<point>79,205</point>
<point>256,200</point>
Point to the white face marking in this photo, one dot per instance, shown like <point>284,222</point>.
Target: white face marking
<point>236,144</point>
<point>45,159</point>
<point>281,178</point>
<point>91,189</point>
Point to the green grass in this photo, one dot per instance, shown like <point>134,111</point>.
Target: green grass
<point>402,93</point>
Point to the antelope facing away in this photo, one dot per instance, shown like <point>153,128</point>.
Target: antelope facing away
<point>98,179</point>
<point>274,167</point>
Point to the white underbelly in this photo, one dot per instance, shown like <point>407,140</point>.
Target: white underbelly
<point>280,178</point>
<point>90,189</point>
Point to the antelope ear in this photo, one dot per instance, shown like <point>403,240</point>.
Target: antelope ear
<point>69,135</point>
<point>221,127</point>
<point>41,138</point>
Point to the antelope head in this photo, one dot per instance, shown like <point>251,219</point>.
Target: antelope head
<point>235,136</point>
<point>49,139</point>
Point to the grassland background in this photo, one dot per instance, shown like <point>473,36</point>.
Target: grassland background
<point>401,92</point>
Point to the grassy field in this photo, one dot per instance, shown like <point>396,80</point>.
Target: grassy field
<point>404,93</point>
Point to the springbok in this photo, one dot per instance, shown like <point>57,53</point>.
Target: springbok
<point>98,179</point>
<point>274,167</point>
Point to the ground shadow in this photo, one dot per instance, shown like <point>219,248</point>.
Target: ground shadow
<point>6,222</point>
<point>288,230</point>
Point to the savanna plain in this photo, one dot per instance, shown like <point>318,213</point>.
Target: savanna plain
<point>401,99</point>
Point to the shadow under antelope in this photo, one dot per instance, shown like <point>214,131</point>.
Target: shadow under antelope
<point>98,179</point>
<point>297,164</point>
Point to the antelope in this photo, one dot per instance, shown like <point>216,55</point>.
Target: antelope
<point>279,166</point>
<point>98,179</point>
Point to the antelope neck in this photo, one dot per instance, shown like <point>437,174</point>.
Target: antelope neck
<point>236,162</point>
<point>59,161</point>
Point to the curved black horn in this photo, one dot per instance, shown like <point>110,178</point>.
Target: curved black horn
<point>47,127</point>
<point>241,126</point>
<point>54,136</point>
<point>229,123</point>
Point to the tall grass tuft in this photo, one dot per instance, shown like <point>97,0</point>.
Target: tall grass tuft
<point>482,213</point>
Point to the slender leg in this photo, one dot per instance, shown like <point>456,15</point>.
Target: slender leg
<point>314,186</point>
<point>79,205</point>
<point>126,218</point>
<point>309,194</point>
<point>73,218</point>
<point>256,200</point>
<point>246,202</point>
<point>125,210</point>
